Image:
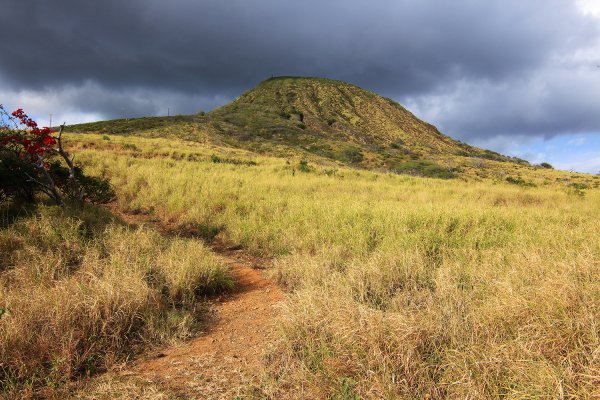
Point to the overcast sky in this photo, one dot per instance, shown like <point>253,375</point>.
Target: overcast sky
<point>518,76</point>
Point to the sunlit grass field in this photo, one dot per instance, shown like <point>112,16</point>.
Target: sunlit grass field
<point>399,287</point>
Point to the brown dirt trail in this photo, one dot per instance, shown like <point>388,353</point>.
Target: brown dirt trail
<point>225,360</point>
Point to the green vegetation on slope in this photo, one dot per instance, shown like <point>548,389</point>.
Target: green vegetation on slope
<point>319,118</point>
<point>134,125</point>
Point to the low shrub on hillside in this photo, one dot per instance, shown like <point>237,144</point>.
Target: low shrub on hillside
<point>224,160</point>
<point>577,188</point>
<point>353,155</point>
<point>519,181</point>
<point>303,166</point>
<point>130,146</point>
<point>397,144</point>
<point>423,168</point>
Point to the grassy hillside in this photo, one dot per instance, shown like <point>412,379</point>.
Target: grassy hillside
<point>400,287</point>
<point>300,110</point>
<point>320,119</point>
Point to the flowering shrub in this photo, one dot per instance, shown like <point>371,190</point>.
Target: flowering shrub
<point>21,135</point>
<point>35,141</point>
<point>30,162</point>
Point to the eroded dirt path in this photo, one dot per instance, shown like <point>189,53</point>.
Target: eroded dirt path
<point>223,361</point>
<point>226,358</point>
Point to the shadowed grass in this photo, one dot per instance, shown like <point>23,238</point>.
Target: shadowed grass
<point>81,291</point>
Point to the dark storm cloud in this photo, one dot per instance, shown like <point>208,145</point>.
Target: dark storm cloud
<point>556,99</point>
<point>103,56</point>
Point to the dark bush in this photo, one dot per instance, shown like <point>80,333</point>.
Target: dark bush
<point>15,183</point>
<point>18,184</point>
<point>353,155</point>
<point>130,146</point>
<point>303,166</point>
<point>397,144</point>
<point>96,190</point>
<point>519,181</point>
<point>222,160</point>
<point>577,189</point>
<point>423,168</point>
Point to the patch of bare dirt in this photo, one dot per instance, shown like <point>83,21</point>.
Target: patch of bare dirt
<point>225,360</point>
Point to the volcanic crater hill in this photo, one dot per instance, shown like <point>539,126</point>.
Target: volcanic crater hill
<point>336,110</point>
<point>339,121</point>
<point>316,117</point>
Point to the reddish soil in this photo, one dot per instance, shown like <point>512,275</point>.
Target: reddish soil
<point>225,360</point>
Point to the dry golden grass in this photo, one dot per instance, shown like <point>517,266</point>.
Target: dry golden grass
<point>83,291</point>
<point>402,287</point>
<point>112,387</point>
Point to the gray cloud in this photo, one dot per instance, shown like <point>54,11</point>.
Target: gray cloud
<point>477,68</point>
<point>560,99</point>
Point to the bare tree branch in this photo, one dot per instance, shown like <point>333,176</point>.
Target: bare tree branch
<point>75,187</point>
<point>49,188</point>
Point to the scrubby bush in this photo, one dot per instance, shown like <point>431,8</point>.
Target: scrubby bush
<point>303,166</point>
<point>519,181</point>
<point>96,190</point>
<point>423,168</point>
<point>130,146</point>
<point>223,160</point>
<point>13,178</point>
<point>353,155</point>
<point>33,161</point>
<point>577,189</point>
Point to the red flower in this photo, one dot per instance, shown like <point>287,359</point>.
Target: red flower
<point>48,140</point>
<point>33,141</point>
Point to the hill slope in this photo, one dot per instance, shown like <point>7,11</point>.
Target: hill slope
<point>334,110</point>
<point>332,120</point>
<point>339,121</point>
